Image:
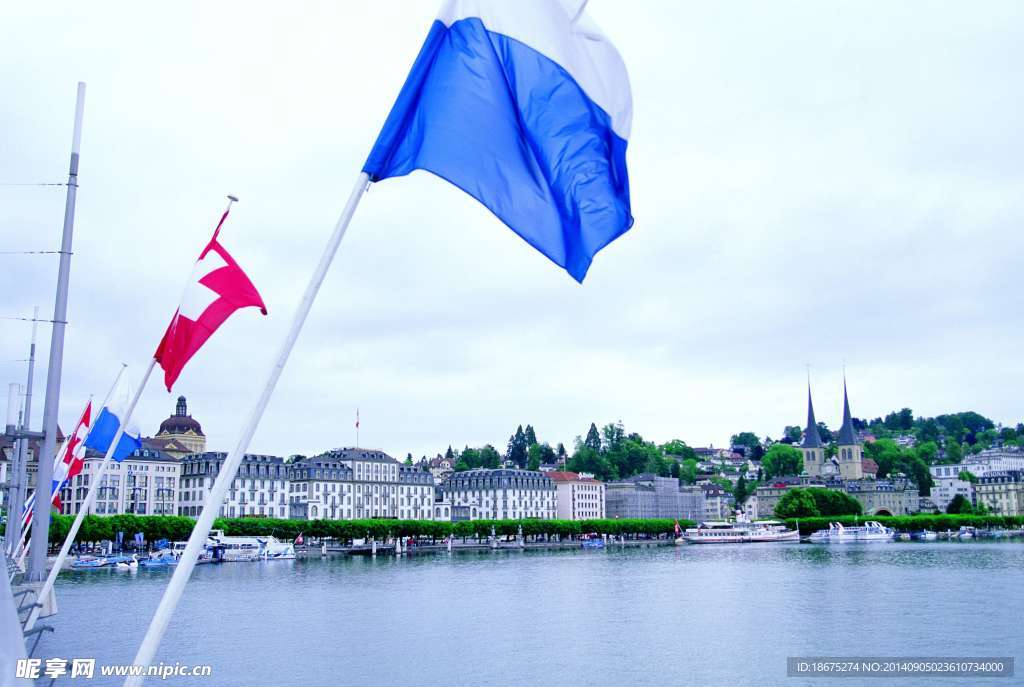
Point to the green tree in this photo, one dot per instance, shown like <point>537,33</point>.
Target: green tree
<point>834,502</point>
<point>612,436</point>
<point>688,471</point>
<point>796,503</point>
<point>678,450</point>
<point>968,476</point>
<point>471,457</point>
<point>960,505</point>
<point>782,459</point>
<point>534,461</point>
<point>593,440</point>
<point>408,459</point>
<point>740,490</point>
<point>954,451</point>
<point>791,434</point>
<point>746,440</point>
<point>531,436</point>
<point>517,447</point>
<point>489,457</point>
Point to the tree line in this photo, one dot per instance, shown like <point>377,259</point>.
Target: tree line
<point>97,528</point>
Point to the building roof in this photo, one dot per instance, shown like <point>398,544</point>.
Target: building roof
<point>869,466</point>
<point>570,477</point>
<point>144,453</point>
<point>847,435</point>
<point>812,438</point>
<point>181,422</point>
<point>352,453</point>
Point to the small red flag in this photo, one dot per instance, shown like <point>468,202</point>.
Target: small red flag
<point>216,289</point>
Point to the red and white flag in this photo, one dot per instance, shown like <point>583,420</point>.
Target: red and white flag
<point>217,288</point>
<point>66,465</point>
<point>299,540</point>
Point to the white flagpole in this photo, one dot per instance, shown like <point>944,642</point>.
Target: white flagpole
<point>90,496</point>
<point>176,587</point>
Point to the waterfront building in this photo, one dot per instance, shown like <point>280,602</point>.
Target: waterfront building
<point>503,494</point>
<point>375,485</point>
<point>896,496</point>
<point>1001,492</point>
<point>260,489</point>
<point>717,505</point>
<point>578,496</point>
<point>144,483</point>
<point>691,502</point>
<point>998,459</point>
<point>947,484</point>
<point>768,495</point>
<point>643,496</point>
<point>320,488</point>
<point>179,435</point>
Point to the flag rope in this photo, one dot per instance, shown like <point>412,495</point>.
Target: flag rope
<point>214,499</point>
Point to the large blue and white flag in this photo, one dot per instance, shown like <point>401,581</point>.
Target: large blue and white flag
<point>526,106</point>
<point>105,427</point>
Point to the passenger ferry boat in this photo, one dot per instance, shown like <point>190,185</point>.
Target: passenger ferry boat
<point>740,532</point>
<point>839,533</point>
<point>717,533</point>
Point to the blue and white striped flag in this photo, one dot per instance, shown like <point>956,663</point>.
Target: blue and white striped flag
<point>526,106</point>
<point>109,421</point>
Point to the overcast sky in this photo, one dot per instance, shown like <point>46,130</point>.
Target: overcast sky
<point>812,183</point>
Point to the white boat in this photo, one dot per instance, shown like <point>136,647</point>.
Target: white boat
<point>248,549</point>
<point>966,533</point>
<point>740,532</point>
<point>839,533</point>
<point>717,533</point>
<point>772,531</point>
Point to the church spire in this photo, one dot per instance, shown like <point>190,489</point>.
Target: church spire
<point>182,409</point>
<point>812,438</point>
<point>847,436</point>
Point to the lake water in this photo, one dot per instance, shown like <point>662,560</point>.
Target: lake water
<point>697,615</point>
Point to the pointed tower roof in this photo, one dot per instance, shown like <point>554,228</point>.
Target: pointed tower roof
<point>812,439</point>
<point>847,435</point>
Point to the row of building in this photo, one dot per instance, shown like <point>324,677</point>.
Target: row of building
<point>173,474</point>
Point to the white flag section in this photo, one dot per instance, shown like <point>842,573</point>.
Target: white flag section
<point>115,421</point>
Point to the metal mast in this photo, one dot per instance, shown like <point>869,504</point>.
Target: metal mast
<point>41,517</point>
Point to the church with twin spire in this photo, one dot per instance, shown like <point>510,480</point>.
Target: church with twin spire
<point>848,463</point>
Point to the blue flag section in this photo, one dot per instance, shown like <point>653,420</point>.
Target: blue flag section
<point>102,435</point>
<point>104,429</point>
<point>540,142</point>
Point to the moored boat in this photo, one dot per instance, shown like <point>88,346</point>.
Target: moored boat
<point>592,541</point>
<point>924,535</point>
<point>772,531</point>
<point>839,533</point>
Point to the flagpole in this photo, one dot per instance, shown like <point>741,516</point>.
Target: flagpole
<point>51,400</point>
<point>67,446</point>
<point>91,495</point>
<point>176,587</point>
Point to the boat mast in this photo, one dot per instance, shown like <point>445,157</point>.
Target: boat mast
<point>44,476</point>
